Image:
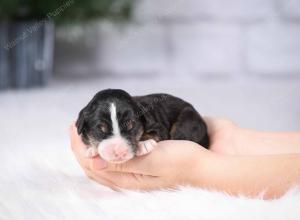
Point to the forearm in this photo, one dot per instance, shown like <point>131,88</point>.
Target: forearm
<point>249,175</point>
<point>258,142</point>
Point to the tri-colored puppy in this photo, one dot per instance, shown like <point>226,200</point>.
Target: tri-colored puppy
<point>119,126</point>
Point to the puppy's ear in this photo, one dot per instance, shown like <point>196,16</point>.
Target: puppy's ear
<point>140,111</point>
<point>80,122</point>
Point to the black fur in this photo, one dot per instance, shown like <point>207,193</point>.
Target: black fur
<point>156,116</point>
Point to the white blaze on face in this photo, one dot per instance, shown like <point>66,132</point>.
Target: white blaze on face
<point>115,148</point>
<point>114,119</point>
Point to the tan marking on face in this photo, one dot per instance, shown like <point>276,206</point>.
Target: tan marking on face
<point>173,130</point>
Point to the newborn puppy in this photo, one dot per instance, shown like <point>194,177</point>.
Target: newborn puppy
<point>119,126</point>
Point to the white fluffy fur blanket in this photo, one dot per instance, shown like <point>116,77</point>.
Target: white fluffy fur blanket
<point>47,183</point>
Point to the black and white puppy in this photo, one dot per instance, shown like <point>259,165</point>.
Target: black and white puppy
<point>119,126</point>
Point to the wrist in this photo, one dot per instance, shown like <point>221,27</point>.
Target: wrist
<point>252,142</point>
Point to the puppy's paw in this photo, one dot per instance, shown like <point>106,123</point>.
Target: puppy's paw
<point>91,152</point>
<point>145,147</point>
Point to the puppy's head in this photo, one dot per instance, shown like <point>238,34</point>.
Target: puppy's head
<point>109,123</point>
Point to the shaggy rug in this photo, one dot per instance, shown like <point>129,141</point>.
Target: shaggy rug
<point>47,183</point>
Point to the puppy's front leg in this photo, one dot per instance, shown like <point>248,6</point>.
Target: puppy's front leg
<point>91,152</point>
<point>145,147</point>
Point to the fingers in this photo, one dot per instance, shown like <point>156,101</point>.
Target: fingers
<point>137,165</point>
<point>133,181</point>
<point>92,152</point>
<point>118,180</point>
<point>80,151</point>
<point>76,142</point>
<point>78,147</point>
<point>102,180</point>
<point>150,164</point>
<point>97,163</point>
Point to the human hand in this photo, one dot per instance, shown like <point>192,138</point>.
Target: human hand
<point>170,164</point>
<point>174,163</point>
<point>224,135</point>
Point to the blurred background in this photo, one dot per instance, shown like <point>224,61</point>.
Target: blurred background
<point>237,58</point>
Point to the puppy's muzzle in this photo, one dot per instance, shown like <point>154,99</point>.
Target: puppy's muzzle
<point>115,150</point>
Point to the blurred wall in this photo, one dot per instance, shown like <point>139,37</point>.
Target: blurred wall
<point>235,39</point>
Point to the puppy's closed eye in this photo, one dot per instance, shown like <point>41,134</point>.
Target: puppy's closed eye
<point>103,127</point>
<point>129,125</point>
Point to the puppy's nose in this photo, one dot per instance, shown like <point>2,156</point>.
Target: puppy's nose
<point>120,151</point>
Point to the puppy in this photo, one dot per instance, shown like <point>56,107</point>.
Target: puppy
<point>119,126</point>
